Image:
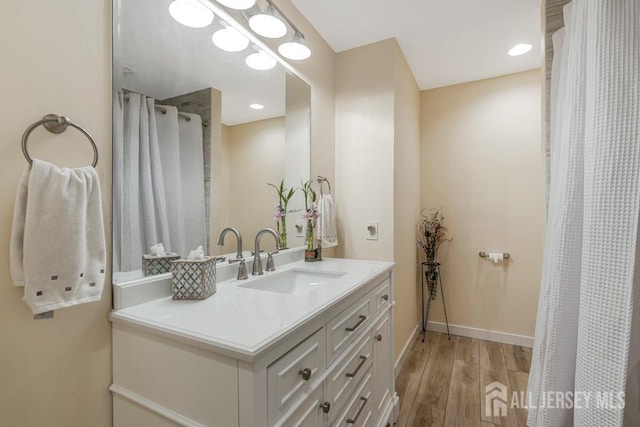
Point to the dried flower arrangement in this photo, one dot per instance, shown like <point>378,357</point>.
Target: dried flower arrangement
<point>431,234</point>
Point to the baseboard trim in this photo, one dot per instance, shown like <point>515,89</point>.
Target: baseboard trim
<point>405,350</point>
<point>482,334</point>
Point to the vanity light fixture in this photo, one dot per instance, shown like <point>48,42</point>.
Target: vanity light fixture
<point>520,49</point>
<point>260,61</point>
<point>267,24</point>
<point>295,49</point>
<point>229,39</point>
<point>191,13</point>
<point>256,106</point>
<point>237,4</point>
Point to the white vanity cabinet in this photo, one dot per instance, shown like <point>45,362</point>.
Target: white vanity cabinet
<point>334,368</point>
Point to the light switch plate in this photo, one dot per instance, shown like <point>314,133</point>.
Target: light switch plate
<point>371,228</point>
<point>301,228</point>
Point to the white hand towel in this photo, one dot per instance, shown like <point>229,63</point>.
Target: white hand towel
<point>57,241</point>
<point>327,229</point>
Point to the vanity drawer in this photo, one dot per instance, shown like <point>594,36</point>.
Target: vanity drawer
<point>342,329</point>
<point>381,296</point>
<point>348,373</point>
<point>290,377</point>
<point>308,413</point>
<point>359,410</point>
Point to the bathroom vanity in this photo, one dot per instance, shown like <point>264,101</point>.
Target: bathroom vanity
<point>310,344</point>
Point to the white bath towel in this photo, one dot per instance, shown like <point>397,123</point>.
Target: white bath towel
<point>327,229</point>
<point>57,240</point>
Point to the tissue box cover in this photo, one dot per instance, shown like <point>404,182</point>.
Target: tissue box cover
<point>152,265</point>
<point>193,279</point>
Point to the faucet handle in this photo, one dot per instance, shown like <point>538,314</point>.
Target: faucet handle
<point>270,264</point>
<point>220,258</point>
<point>242,268</point>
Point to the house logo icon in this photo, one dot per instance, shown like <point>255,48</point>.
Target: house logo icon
<point>495,400</point>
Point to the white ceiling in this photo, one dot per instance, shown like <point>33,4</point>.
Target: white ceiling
<point>445,41</point>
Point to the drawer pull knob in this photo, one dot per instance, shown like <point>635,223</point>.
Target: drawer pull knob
<point>385,297</point>
<point>306,373</point>
<point>354,419</point>
<point>358,323</point>
<point>362,360</point>
<point>326,406</point>
<point>378,337</point>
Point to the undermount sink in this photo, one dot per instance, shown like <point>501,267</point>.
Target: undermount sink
<point>295,282</point>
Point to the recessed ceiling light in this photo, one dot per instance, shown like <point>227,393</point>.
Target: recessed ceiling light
<point>256,106</point>
<point>191,13</point>
<point>294,49</point>
<point>237,4</point>
<point>230,39</point>
<point>267,24</point>
<point>520,49</point>
<point>260,61</point>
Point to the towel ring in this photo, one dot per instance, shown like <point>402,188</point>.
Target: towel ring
<point>56,124</point>
<point>322,179</point>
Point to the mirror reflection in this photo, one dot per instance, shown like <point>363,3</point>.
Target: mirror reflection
<point>198,135</point>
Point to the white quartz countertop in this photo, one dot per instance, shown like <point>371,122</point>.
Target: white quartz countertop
<point>245,321</point>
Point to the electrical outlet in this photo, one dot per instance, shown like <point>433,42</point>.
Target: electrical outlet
<point>372,230</point>
<point>300,228</point>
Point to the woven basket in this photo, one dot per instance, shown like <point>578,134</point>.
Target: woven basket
<point>152,265</point>
<point>193,279</point>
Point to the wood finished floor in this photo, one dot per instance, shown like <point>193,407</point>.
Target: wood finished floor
<point>442,381</point>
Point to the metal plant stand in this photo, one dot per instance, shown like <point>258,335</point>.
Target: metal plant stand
<point>427,268</point>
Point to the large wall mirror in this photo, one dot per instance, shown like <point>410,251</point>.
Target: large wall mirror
<point>198,135</point>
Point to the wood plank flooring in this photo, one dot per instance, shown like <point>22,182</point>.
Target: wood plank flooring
<point>442,381</point>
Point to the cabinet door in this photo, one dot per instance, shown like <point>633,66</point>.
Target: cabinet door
<point>382,364</point>
<point>307,413</point>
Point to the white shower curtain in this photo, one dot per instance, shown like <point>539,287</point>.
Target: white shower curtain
<point>586,316</point>
<point>169,142</point>
<point>150,180</point>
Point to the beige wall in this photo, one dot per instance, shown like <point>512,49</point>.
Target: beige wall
<point>255,158</point>
<point>365,89</point>
<point>56,59</point>
<point>481,162</point>
<point>406,199</point>
<point>377,151</point>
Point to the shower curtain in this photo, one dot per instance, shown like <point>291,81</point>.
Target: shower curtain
<point>586,342</point>
<point>158,196</point>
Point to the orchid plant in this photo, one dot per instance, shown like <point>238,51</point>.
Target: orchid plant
<point>280,216</point>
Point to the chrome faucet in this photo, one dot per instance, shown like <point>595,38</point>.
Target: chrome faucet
<point>238,238</point>
<point>257,261</point>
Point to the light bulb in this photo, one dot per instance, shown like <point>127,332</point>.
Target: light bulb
<point>520,49</point>
<point>294,49</point>
<point>267,25</point>
<point>256,106</point>
<point>191,13</point>
<point>237,4</point>
<point>260,61</point>
<point>230,39</point>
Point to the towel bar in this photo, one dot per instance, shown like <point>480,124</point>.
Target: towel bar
<point>56,124</point>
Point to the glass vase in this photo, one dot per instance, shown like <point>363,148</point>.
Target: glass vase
<point>311,252</point>
<point>282,229</point>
